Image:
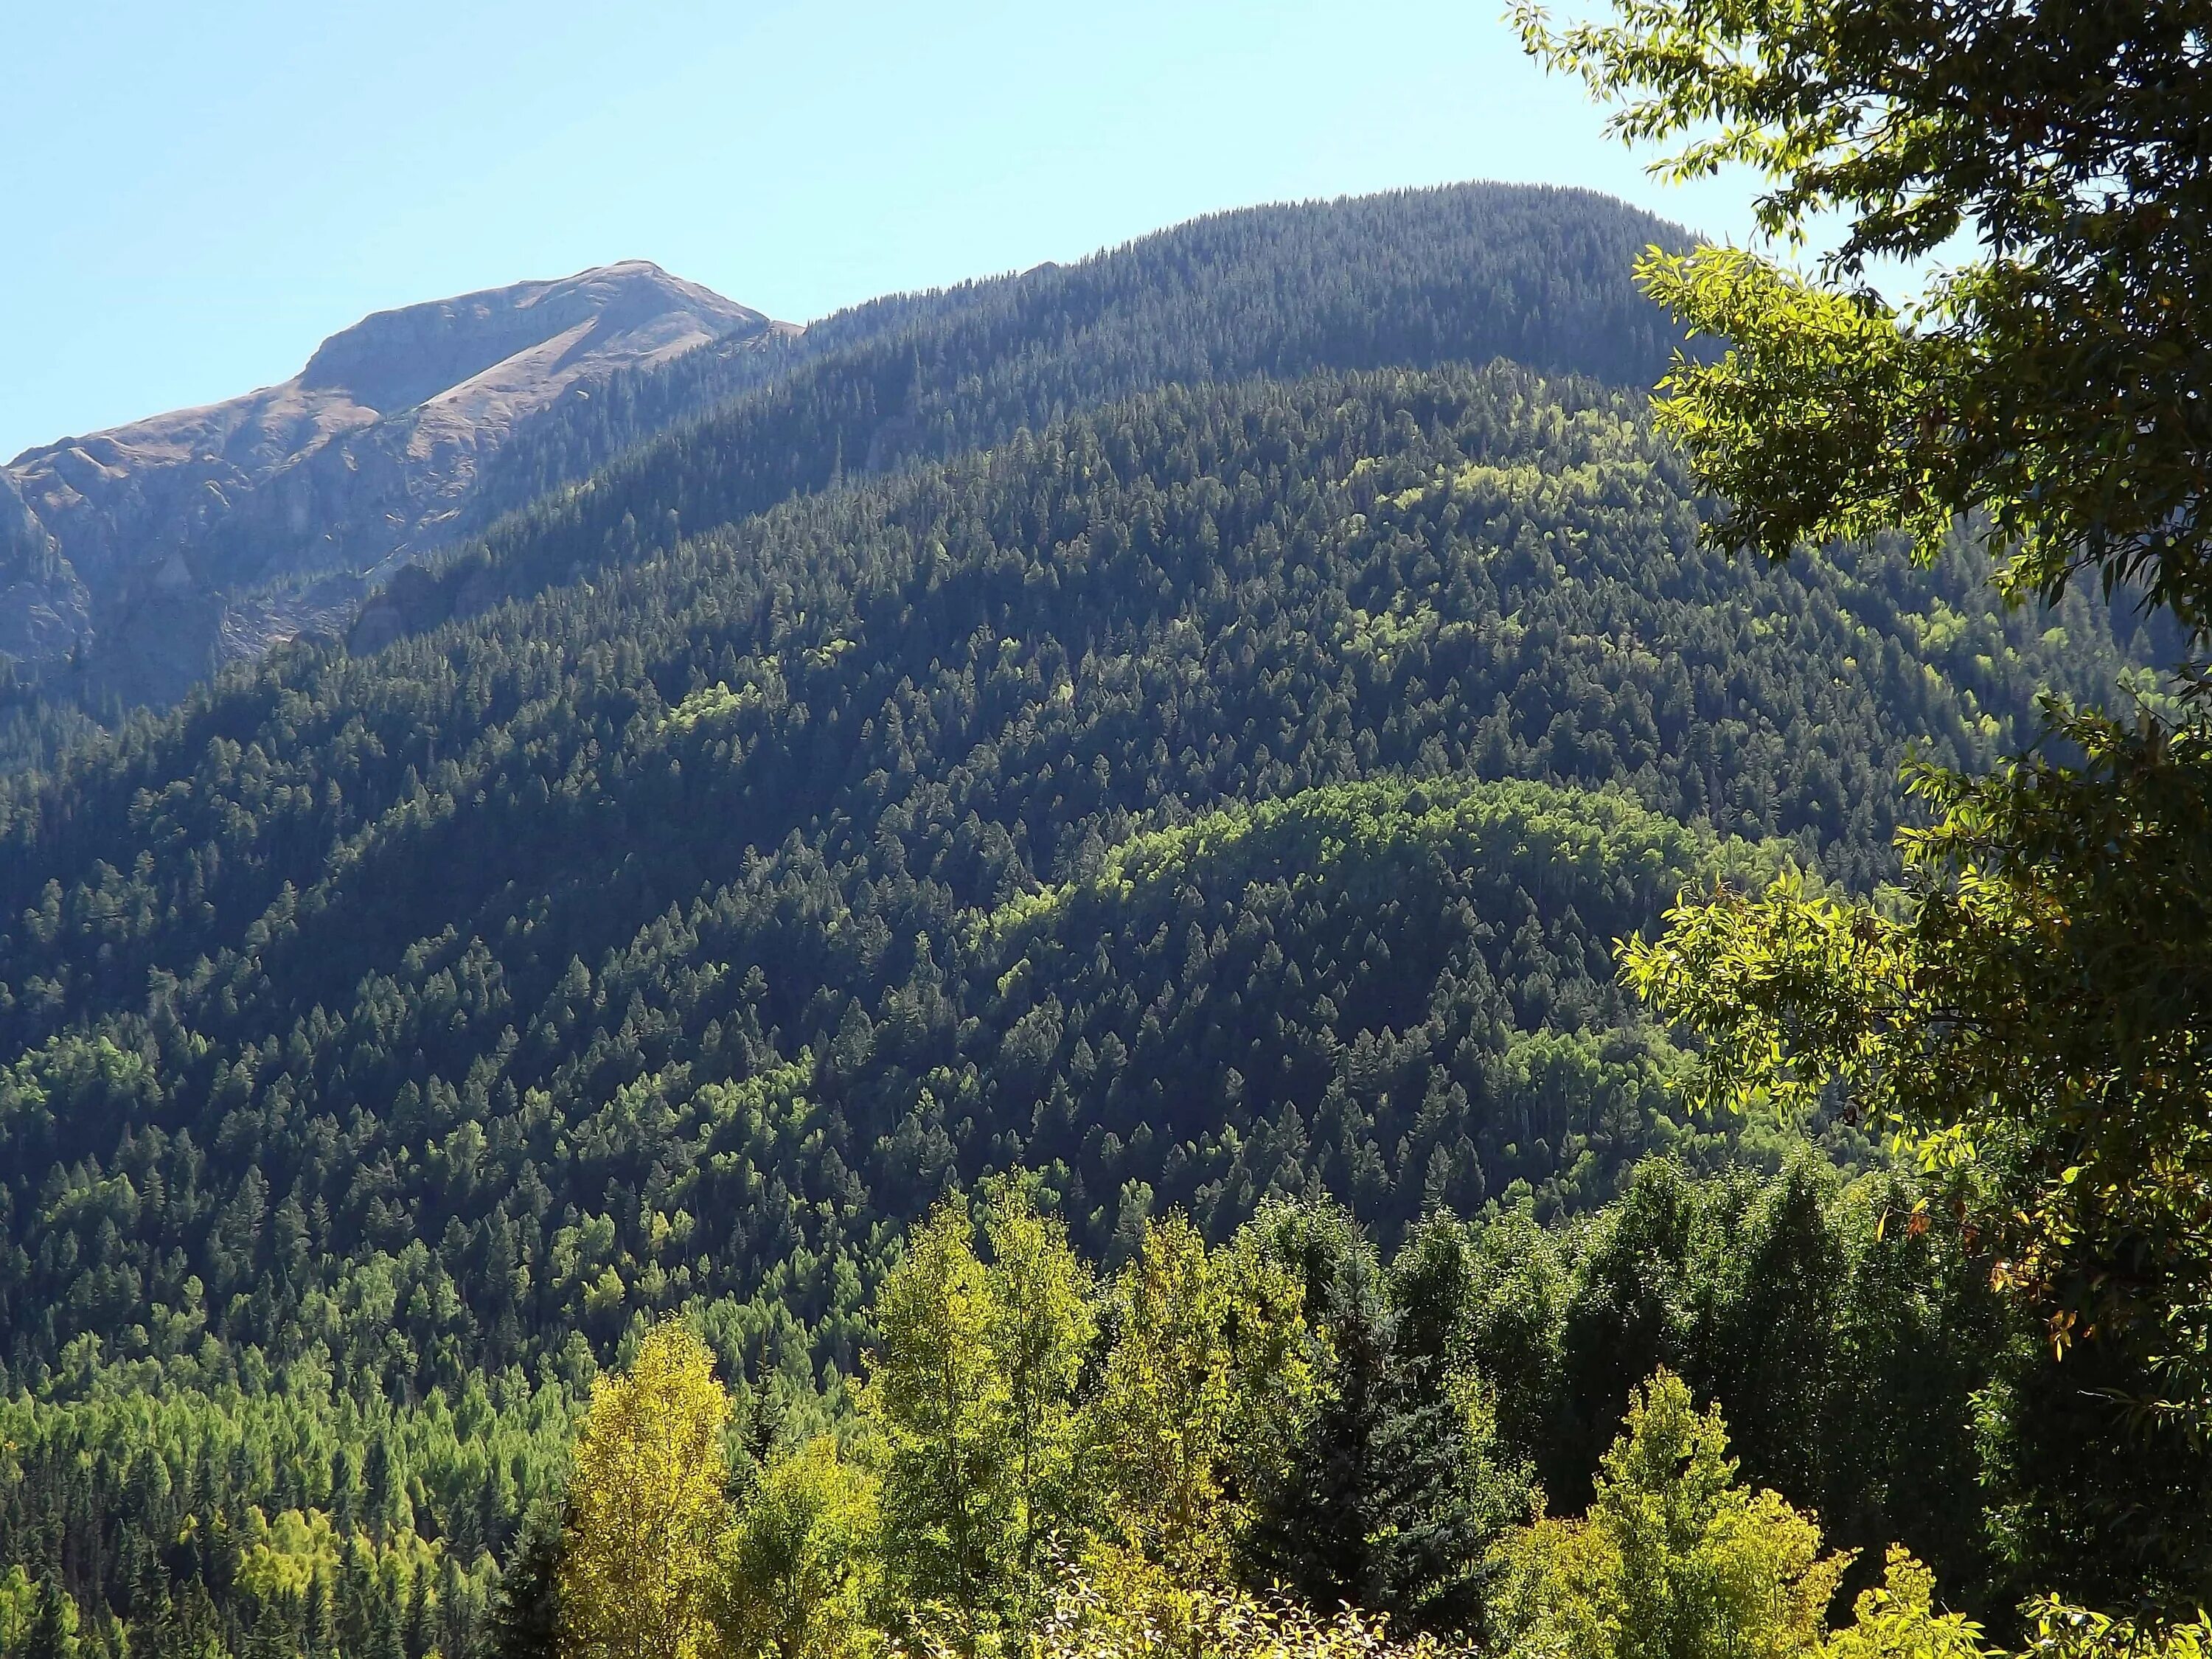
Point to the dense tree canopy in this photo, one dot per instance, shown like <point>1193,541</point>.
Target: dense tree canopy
<point>2051,382</point>
<point>1224,792</point>
<point>2033,1013</point>
<point>778,871</point>
<point>1411,279</point>
<point>620,471</point>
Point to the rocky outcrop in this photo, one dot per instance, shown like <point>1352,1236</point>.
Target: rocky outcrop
<point>159,548</point>
<point>44,611</point>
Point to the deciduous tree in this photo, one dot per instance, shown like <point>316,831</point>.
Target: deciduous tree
<point>1040,1324</point>
<point>1674,1560</point>
<point>2032,1014</point>
<point>646,1506</point>
<point>801,1570</point>
<point>937,1402</point>
<point>1209,1371</point>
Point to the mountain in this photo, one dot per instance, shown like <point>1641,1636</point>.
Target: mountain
<point>836,821</point>
<point>1177,730</point>
<point>152,551</point>
<point>1460,274</point>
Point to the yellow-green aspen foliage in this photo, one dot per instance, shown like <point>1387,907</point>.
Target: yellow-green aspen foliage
<point>1674,1560</point>
<point>645,1507</point>
<point>1208,1371</point>
<point>1040,1324</point>
<point>936,1400</point>
<point>802,1570</point>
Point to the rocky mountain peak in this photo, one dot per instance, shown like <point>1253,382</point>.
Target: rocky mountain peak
<point>391,361</point>
<point>206,534</point>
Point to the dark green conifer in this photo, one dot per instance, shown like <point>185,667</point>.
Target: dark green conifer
<point>524,1622</point>
<point>52,1634</point>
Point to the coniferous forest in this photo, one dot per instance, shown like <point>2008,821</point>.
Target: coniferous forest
<point>975,1002</point>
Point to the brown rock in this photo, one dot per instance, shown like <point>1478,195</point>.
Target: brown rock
<point>155,544</point>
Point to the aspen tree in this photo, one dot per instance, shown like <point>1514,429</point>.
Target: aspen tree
<point>646,1506</point>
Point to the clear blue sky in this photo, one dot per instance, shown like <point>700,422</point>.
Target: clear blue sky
<point>198,194</point>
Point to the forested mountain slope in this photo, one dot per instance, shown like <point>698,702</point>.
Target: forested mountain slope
<point>680,935</point>
<point>1411,279</point>
<point>284,1515</point>
<point>1172,724</point>
<point>1417,278</point>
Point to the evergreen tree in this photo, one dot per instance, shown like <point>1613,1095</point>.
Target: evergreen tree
<point>418,1631</point>
<point>386,1637</point>
<point>152,1618</point>
<point>524,1620</point>
<point>1389,1499</point>
<point>318,1622</point>
<point>53,1631</point>
<point>361,1599</point>
<point>271,1636</point>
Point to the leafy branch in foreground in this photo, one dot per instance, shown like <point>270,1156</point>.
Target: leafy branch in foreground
<point>2038,1014</point>
<point>2030,1017</point>
<point>2052,386</point>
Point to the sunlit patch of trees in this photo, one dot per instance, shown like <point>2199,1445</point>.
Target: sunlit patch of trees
<point>1046,1463</point>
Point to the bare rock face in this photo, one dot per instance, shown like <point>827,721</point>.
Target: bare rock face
<point>205,535</point>
<point>44,608</point>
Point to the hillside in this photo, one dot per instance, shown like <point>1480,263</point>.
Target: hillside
<point>140,557</point>
<point>1416,278</point>
<point>1179,731</point>
<point>740,821</point>
<point>1411,279</point>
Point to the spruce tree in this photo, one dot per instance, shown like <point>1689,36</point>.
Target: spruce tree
<point>524,1620</point>
<point>318,1621</point>
<point>1393,1489</point>
<point>418,1633</point>
<point>53,1628</point>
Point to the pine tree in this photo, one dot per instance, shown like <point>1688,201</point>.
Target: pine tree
<point>380,1495</point>
<point>52,1634</point>
<point>1394,1488</point>
<point>152,1618</point>
<point>386,1640</point>
<point>360,1598</point>
<point>271,1635</point>
<point>318,1623</point>
<point>418,1632</point>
